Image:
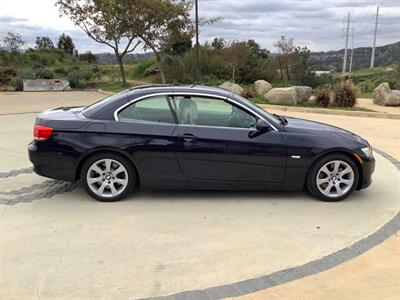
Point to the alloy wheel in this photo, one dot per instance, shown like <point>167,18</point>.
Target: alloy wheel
<point>335,178</point>
<point>107,178</point>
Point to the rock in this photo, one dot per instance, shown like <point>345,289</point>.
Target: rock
<point>383,95</point>
<point>233,87</point>
<point>289,96</point>
<point>262,87</point>
<point>303,93</point>
<point>286,96</point>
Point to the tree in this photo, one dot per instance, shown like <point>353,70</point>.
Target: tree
<point>44,42</point>
<point>106,22</point>
<point>13,41</point>
<point>239,57</point>
<point>301,70</point>
<point>88,56</point>
<point>159,22</point>
<point>218,44</point>
<point>256,49</point>
<point>286,50</point>
<point>65,43</point>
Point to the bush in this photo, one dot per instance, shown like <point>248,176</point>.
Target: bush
<point>6,74</point>
<point>17,83</point>
<point>141,67</point>
<point>74,79</point>
<point>323,99</point>
<point>43,73</point>
<point>37,66</point>
<point>345,94</point>
<point>61,71</point>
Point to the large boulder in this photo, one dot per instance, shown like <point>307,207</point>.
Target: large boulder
<point>286,96</point>
<point>262,87</point>
<point>289,96</point>
<point>233,87</point>
<point>383,95</point>
<point>303,93</point>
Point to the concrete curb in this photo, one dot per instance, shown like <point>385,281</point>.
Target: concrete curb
<point>365,114</point>
<point>100,91</point>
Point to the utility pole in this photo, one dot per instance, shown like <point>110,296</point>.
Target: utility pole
<point>374,43</point>
<point>346,45</point>
<point>197,39</point>
<point>352,50</point>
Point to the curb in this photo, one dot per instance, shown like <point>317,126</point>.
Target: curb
<point>365,114</point>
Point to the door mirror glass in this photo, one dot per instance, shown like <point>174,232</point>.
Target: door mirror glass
<point>263,125</point>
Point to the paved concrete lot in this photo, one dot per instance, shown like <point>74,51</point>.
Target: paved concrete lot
<point>57,243</point>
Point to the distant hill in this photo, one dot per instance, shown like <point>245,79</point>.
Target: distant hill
<point>333,60</point>
<point>110,58</point>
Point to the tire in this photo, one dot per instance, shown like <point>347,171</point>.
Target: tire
<point>333,178</point>
<point>108,177</point>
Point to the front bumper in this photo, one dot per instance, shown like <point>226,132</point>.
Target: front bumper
<point>367,169</point>
<point>52,165</point>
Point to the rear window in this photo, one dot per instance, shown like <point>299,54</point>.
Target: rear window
<point>95,107</point>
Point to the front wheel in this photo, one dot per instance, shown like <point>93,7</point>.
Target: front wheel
<point>108,177</point>
<point>333,178</point>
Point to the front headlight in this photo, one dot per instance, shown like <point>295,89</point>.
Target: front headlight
<point>367,151</point>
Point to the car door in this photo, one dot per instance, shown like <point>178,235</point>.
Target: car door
<point>144,129</point>
<point>217,140</point>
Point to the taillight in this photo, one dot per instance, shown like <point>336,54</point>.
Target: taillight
<point>42,133</point>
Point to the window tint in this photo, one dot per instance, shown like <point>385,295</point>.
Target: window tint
<point>147,110</point>
<point>211,112</point>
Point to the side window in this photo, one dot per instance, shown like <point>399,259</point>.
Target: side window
<point>211,112</point>
<point>154,109</point>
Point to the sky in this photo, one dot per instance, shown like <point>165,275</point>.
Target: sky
<point>317,24</point>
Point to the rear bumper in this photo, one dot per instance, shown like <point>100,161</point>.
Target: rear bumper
<point>52,165</point>
<point>368,168</point>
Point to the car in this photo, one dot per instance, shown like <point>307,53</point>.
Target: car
<point>195,137</point>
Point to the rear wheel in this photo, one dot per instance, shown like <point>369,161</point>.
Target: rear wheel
<point>108,177</point>
<point>333,178</point>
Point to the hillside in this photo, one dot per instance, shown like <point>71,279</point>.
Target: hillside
<point>333,60</point>
<point>110,58</point>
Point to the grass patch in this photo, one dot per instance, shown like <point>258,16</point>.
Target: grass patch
<point>114,86</point>
<point>364,95</point>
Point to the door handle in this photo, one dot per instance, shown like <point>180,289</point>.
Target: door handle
<point>186,137</point>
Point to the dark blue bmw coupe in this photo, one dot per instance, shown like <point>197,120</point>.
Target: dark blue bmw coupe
<point>195,137</point>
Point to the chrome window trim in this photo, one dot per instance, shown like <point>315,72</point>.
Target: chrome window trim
<point>172,93</point>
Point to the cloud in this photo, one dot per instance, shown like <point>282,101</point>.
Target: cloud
<point>316,24</point>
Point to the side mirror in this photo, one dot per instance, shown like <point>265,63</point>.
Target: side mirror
<point>263,126</point>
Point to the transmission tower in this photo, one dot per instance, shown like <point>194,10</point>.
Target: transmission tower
<point>374,42</point>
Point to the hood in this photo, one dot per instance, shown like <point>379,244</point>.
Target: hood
<point>312,127</point>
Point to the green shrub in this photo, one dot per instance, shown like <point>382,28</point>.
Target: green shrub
<point>37,65</point>
<point>87,74</point>
<point>61,71</point>
<point>141,67</point>
<point>323,98</point>
<point>74,79</point>
<point>43,73</point>
<point>17,83</point>
<point>345,94</point>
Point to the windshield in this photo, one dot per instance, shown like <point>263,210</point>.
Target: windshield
<point>259,110</point>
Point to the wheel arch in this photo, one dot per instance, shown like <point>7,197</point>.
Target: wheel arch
<point>99,150</point>
<point>341,151</point>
